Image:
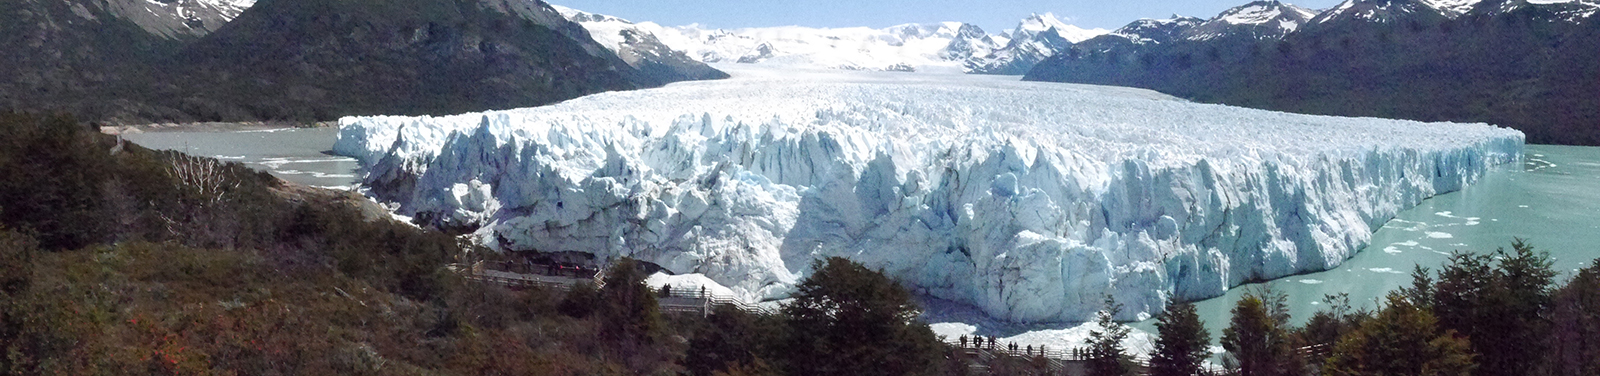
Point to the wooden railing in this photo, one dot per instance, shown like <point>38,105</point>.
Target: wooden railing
<point>679,299</point>
<point>696,299</point>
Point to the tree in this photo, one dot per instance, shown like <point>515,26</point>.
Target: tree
<point>1327,326</point>
<point>1574,341</point>
<point>734,342</point>
<point>629,311</point>
<point>846,319</point>
<point>1181,349</point>
<point>1403,339</point>
<point>1258,336</point>
<point>1106,355</point>
<point>16,262</point>
<point>1503,296</point>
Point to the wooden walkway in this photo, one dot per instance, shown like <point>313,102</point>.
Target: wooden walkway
<point>680,299</point>
<point>694,300</point>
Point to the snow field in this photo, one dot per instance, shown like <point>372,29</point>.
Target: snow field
<point>1029,201</point>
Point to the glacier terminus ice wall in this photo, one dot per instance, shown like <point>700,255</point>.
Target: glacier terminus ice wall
<point>1029,201</point>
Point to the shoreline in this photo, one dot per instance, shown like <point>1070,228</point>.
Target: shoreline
<point>211,127</point>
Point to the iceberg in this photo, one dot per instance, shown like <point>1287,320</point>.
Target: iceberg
<point>1030,201</point>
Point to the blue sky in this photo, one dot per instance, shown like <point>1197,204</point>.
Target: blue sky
<point>992,15</point>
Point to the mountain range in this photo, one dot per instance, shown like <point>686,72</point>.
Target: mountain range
<point>937,47</point>
<point>1525,64</point>
<point>133,61</point>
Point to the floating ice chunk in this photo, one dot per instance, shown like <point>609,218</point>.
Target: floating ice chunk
<point>1439,235</point>
<point>1311,281</point>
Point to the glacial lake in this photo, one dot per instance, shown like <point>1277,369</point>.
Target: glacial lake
<point>1552,200</point>
<point>300,155</point>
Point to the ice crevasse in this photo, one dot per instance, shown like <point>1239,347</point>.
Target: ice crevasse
<point>1030,201</point>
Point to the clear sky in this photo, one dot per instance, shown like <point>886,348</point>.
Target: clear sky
<point>992,15</point>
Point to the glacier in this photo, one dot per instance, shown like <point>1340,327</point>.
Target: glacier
<point>1030,201</point>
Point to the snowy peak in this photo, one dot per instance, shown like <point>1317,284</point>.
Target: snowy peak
<point>579,16</point>
<point>1037,37</point>
<point>1452,8</point>
<point>1039,24</point>
<point>639,46</point>
<point>1387,11</point>
<point>1264,12</point>
<point>1554,10</point>
<point>1269,19</point>
<point>173,19</point>
<point>908,47</point>
<point>1146,30</point>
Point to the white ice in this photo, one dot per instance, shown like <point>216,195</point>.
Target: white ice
<point>1027,200</point>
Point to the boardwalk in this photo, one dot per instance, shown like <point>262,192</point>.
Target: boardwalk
<point>689,299</point>
<point>678,299</point>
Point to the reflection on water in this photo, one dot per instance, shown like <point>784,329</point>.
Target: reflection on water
<point>1552,201</point>
<point>300,155</point>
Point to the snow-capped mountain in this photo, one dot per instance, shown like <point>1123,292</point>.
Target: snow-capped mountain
<point>1452,8</point>
<point>1518,63</point>
<point>943,46</point>
<point>1389,11</point>
<point>640,48</point>
<point>1571,11</point>
<point>172,19</point>
<point>1154,31</point>
<point>910,47</point>
<point>1267,19</point>
<point>1027,200</point>
<point>899,48</point>
<point>1049,25</point>
<point>1035,38</point>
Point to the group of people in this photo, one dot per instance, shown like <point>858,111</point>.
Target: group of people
<point>978,343</point>
<point>666,291</point>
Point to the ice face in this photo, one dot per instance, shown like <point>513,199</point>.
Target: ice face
<point>1027,200</point>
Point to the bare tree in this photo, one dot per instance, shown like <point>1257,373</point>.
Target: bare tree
<point>206,178</point>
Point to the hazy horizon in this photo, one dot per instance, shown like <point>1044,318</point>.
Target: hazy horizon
<point>992,16</point>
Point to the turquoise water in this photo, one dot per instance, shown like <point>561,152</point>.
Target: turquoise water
<point>300,155</point>
<point>1552,200</point>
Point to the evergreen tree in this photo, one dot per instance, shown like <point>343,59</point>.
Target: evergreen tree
<point>1106,355</point>
<point>1181,349</point>
<point>1503,296</point>
<point>846,319</point>
<point>1574,341</point>
<point>629,311</point>
<point>734,342</point>
<point>1402,339</point>
<point>1258,336</point>
<point>1327,326</point>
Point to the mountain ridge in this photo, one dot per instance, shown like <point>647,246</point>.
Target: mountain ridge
<point>1513,63</point>
<point>299,60</point>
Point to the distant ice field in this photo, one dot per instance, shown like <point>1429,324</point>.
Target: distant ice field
<point>1029,201</point>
